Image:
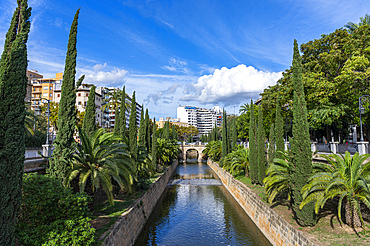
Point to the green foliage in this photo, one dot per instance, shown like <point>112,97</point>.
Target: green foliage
<point>237,161</point>
<point>65,143</point>
<point>271,150</point>
<point>277,181</point>
<point>101,158</point>
<point>279,131</point>
<point>142,129</point>
<point>234,134</point>
<point>154,144</point>
<point>224,135</point>
<point>147,131</point>
<point>13,83</point>
<point>213,150</point>
<point>301,146</point>
<point>52,214</point>
<point>167,150</point>
<point>166,131</point>
<point>89,118</point>
<point>120,123</point>
<point>133,129</point>
<point>261,148</point>
<point>253,159</point>
<point>174,133</point>
<point>353,26</point>
<point>345,177</point>
<point>36,140</point>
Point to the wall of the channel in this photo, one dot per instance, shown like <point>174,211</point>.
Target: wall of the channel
<point>129,225</point>
<point>275,228</point>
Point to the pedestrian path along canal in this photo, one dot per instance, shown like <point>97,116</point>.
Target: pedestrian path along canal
<point>196,209</point>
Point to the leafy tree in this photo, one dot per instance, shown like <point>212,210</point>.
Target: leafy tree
<point>174,133</point>
<point>234,133</point>
<point>101,158</point>
<point>345,177</point>
<point>133,129</point>
<point>353,26</point>
<point>271,150</point>
<point>166,131</point>
<point>121,117</point>
<point>13,84</point>
<point>65,143</point>
<point>154,144</point>
<point>301,146</point>
<point>261,148</point>
<point>253,159</point>
<point>142,135</point>
<point>89,118</point>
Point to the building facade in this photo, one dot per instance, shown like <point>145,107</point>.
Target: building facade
<point>175,121</point>
<point>32,75</point>
<point>201,118</point>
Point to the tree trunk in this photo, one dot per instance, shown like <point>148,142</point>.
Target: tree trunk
<point>352,219</point>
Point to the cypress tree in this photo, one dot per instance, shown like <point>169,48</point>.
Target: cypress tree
<point>234,134</point>
<point>301,151</point>
<point>13,84</point>
<point>122,115</point>
<point>228,138</point>
<point>261,148</point>
<point>253,155</point>
<point>132,128</point>
<point>174,133</point>
<point>271,151</point>
<point>154,144</point>
<point>166,131</point>
<point>147,123</point>
<point>89,118</point>
<point>142,129</point>
<point>117,120</point>
<point>224,135</point>
<point>279,131</point>
<point>65,143</point>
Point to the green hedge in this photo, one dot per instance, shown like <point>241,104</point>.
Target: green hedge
<point>52,215</point>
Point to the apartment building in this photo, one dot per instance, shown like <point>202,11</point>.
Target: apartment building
<point>201,118</point>
<point>44,88</point>
<point>82,95</point>
<point>31,76</point>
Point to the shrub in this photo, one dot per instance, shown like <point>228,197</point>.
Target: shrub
<point>50,213</point>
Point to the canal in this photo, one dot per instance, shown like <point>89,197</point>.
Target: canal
<point>201,212</point>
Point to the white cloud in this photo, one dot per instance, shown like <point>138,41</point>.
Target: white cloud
<point>230,86</point>
<point>116,77</point>
<point>177,65</point>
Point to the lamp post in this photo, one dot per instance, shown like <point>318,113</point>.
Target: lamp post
<point>47,113</point>
<point>362,145</point>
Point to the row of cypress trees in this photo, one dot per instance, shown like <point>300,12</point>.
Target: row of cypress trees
<point>300,151</point>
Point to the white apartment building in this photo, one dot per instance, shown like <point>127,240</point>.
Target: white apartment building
<point>201,118</point>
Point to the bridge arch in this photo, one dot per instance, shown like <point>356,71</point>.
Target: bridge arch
<point>199,148</point>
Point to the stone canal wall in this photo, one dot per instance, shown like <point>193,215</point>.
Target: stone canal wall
<point>275,228</point>
<point>129,225</point>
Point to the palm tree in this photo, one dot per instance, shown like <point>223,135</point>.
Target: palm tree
<point>29,123</point>
<point>213,150</point>
<point>277,178</point>
<point>345,177</point>
<point>353,26</point>
<point>240,161</point>
<point>101,158</point>
<point>244,108</point>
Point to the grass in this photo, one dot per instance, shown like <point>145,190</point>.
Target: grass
<point>329,230</point>
<point>105,215</point>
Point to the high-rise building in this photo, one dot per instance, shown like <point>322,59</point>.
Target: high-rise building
<point>203,119</point>
<point>44,88</point>
<point>31,76</point>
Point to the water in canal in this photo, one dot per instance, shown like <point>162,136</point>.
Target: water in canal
<point>199,214</point>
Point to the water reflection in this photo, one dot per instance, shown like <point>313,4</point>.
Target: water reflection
<point>199,215</point>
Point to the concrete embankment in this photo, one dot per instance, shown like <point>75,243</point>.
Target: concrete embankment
<point>129,225</point>
<point>275,228</point>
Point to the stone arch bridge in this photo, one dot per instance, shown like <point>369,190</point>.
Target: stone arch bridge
<point>199,148</point>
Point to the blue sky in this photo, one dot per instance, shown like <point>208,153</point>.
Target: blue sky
<point>172,53</point>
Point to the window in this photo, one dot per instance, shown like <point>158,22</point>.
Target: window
<point>79,94</point>
<point>45,94</point>
<point>51,87</point>
<point>79,103</point>
<point>87,94</point>
<point>45,88</point>
<point>58,95</point>
<point>51,94</point>
<point>85,104</point>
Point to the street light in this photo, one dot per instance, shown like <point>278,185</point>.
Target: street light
<point>47,113</point>
<point>361,110</point>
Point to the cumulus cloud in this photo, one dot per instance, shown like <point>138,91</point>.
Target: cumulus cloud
<point>116,77</point>
<point>230,86</point>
